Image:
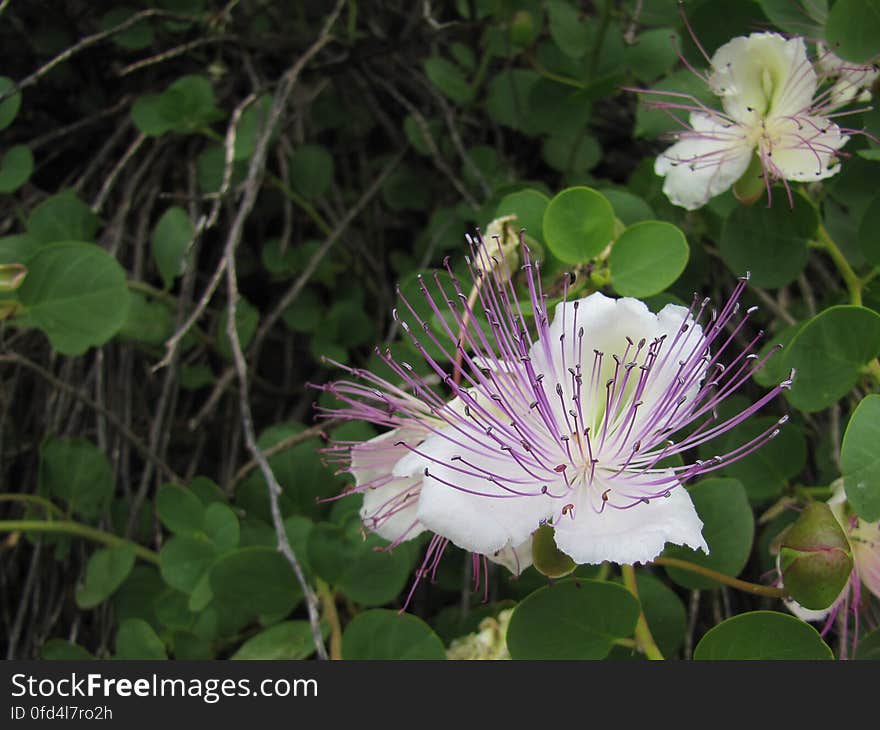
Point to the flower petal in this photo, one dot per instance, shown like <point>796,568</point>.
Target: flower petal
<point>705,161</point>
<point>626,536</point>
<point>763,75</point>
<point>515,559</point>
<point>461,503</point>
<point>804,149</point>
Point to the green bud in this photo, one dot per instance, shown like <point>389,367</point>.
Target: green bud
<point>815,557</point>
<point>751,186</point>
<point>11,276</point>
<point>548,559</point>
<point>522,29</point>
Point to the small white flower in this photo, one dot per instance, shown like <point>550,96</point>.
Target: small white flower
<point>852,81</point>
<point>767,86</point>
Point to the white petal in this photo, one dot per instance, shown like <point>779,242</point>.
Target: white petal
<point>704,163</point>
<point>763,75</point>
<point>626,536</point>
<point>515,559</point>
<point>803,149</point>
<point>490,520</point>
<point>390,503</point>
<point>808,614</point>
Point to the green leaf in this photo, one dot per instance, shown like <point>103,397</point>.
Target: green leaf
<point>135,597</point>
<point>860,459</point>
<point>184,560</point>
<point>653,53</point>
<point>869,232</point>
<point>63,217</point>
<point>247,317</point>
<point>185,107</point>
<point>869,646</point>
<point>828,353</point>
<point>170,240</point>
<point>106,570</point>
<point>376,576</point>
<point>311,170</point>
<point>16,168</point>
<point>578,224</point>
<point>146,321</point>
<point>17,249</point>
<point>210,167</point>
<point>573,619</point>
<point>627,207</point>
<point>76,293</point>
<point>528,206</point>
<point>383,634</point>
<point>728,528</point>
<point>287,640</point>
<point>254,581</point>
<point>137,640</point>
<point>508,97</point>
<point>795,18</point>
<point>853,28</point>
<point>221,526</point>
<point>61,649</point>
<point>571,153</point>
<point>76,471</point>
<point>762,635</point>
<point>647,258</point>
<point>771,243</point>
<point>179,509</point>
<point>449,78</point>
<point>249,128</point>
<point>9,107</point>
<point>568,32</point>
<point>664,612</point>
<point>134,38</point>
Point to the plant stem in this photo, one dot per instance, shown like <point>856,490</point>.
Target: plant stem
<point>68,527</point>
<point>331,615</point>
<point>299,200</point>
<point>644,639</point>
<point>33,499</point>
<point>742,585</point>
<point>853,283</point>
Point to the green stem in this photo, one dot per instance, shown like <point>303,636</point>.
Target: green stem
<point>68,527</point>
<point>852,281</point>
<point>644,639</point>
<point>33,499</point>
<point>550,75</point>
<point>307,207</point>
<point>742,585</point>
<point>331,615</point>
<point>600,38</point>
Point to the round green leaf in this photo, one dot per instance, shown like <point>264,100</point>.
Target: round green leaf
<point>853,28</point>
<point>507,102</point>
<point>147,321</point>
<point>179,509</point>
<point>578,224</point>
<point>134,38</point>
<point>137,640</point>
<point>647,258</point>
<point>771,243</point>
<point>63,217</point>
<point>184,560</point>
<point>249,128</point>
<point>287,640</point>
<point>78,472</point>
<point>802,18</point>
<point>869,232</point>
<point>869,646</point>
<point>528,206</point>
<point>76,293</point>
<point>311,170</point>
<point>61,649</point>
<point>255,581</point>
<point>375,575</point>
<point>221,526</point>
<point>828,353</point>
<point>653,53</point>
<point>573,619</point>
<point>170,240</point>
<point>627,207</point>
<point>106,570</point>
<point>728,528</point>
<point>860,459</point>
<point>664,612</point>
<point>762,635</point>
<point>16,168</point>
<point>247,317</point>
<point>9,107</point>
<point>765,472</point>
<point>568,32</point>
<point>384,634</point>
<point>449,78</point>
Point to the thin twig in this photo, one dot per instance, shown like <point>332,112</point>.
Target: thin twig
<point>171,53</point>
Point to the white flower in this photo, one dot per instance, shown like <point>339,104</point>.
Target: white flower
<point>569,423</point>
<point>767,87</point>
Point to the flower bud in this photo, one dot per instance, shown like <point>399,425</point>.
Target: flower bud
<point>815,557</point>
<point>548,559</point>
<point>522,29</point>
<point>11,276</point>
